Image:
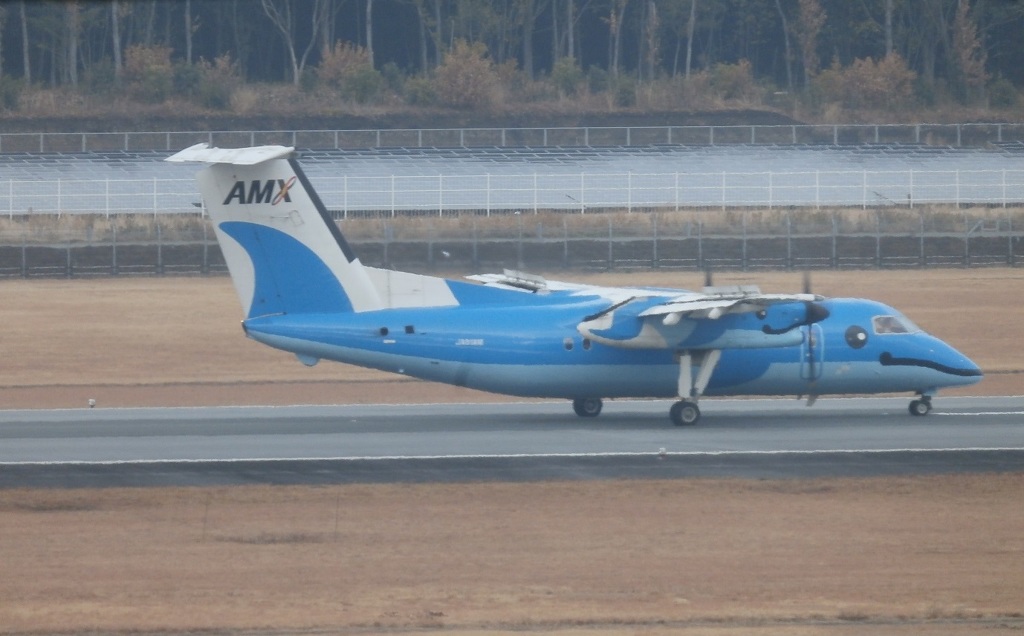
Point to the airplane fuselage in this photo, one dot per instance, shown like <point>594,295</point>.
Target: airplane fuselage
<point>536,350</point>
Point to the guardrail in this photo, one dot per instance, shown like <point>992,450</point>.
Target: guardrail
<point>956,135</point>
<point>566,192</point>
<point>747,240</point>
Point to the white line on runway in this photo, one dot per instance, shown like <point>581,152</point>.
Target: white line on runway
<point>380,458</point>
<point>982,413</point>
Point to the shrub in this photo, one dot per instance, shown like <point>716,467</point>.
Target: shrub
<point>1002,93</point>
<point>217,82</point>
<point>567,76</point>
<point>734,81</point>
<point>419,91</point>
<point>467,78</point>
<point>186,79</point>
<point>148,73</point>
<point>10,92</point>
<point>597,79</point>
<point>623,91</point>
<point>346,69</point>
<point>99,78</point>
<point>887,84</point>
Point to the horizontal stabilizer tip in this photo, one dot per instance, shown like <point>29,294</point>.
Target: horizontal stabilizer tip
<point>204,153</point>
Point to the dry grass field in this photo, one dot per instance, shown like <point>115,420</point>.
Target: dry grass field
<point>177,341</point>
<point>931,555</point>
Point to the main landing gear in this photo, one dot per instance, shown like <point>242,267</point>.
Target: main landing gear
<point>587,407</point>
<point>686,412</point>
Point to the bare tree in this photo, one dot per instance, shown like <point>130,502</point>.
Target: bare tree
<point>115,34</point>
<point>369,30</point>
<point>283,15</point>
<point>969,54</point>
<point>785,40</point>
<point>690,25</point>
<point>73,25</point>
<point>189,29</point>
<point>888,27</point>
<point>812,18</point>
<point>615,18</point>
<point>26,63</point>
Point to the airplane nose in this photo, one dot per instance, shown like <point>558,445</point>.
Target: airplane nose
<point>956,368</point>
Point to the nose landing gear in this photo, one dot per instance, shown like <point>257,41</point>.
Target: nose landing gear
<point>921,407</point>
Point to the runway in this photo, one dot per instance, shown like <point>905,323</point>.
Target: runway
<point>505,442</point>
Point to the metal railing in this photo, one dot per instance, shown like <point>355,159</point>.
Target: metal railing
<point>745,240</point>
<point>566,192</point>
<point>957,135</point>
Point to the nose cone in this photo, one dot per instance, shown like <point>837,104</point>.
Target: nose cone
<point>951,367</point>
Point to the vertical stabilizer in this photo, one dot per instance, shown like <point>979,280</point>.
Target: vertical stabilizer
<point>285,254</point>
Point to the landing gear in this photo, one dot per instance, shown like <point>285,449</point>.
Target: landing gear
<point>684,413</point>
<point>921,407</point>
<point>587,407</point>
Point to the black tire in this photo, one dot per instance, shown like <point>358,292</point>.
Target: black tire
<point>684,413</point>
<point>587,407</point>
<point>920,408</point>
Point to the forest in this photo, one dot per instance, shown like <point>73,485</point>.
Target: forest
<point>819,58</point>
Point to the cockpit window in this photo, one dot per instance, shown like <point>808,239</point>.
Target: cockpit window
<point>893,324</point>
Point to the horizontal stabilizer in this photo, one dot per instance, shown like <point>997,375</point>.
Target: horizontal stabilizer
<point>204,153</point>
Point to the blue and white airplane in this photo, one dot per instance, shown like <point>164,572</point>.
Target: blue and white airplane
<point>303,290</point>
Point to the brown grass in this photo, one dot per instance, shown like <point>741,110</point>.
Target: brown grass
<point>607,557</point>
<point>899,221</point>
<point>170,341</point>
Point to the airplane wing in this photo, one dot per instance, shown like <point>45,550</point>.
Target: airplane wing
<point>532,283</point>
<point>653,318</point>
<point>716,302</point>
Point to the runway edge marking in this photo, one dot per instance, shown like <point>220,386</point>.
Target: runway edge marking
<point>383,458</point>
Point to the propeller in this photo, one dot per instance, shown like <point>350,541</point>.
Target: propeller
<point>815,313</point>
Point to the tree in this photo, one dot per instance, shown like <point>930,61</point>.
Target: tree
<point>969,55</point>
<point>785,38</point>
<point>615,18</point>
<point>467,78</point>
<point>283,15</point>
<point>812,18</point>
<point>72,21</point>
<point>115,35</point>
<point>26,65</point>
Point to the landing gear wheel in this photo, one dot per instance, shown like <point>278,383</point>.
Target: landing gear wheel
<point>920,407</point>
<point>684,413</point>
<point>587,407</point>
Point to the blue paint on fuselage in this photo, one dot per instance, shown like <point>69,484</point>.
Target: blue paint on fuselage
<point>534,349</point>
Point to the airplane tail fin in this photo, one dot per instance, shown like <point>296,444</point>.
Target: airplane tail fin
<point>284,252</point>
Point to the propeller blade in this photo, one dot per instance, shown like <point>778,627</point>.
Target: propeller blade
<point>807,282</point>
<point>816,312</point>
